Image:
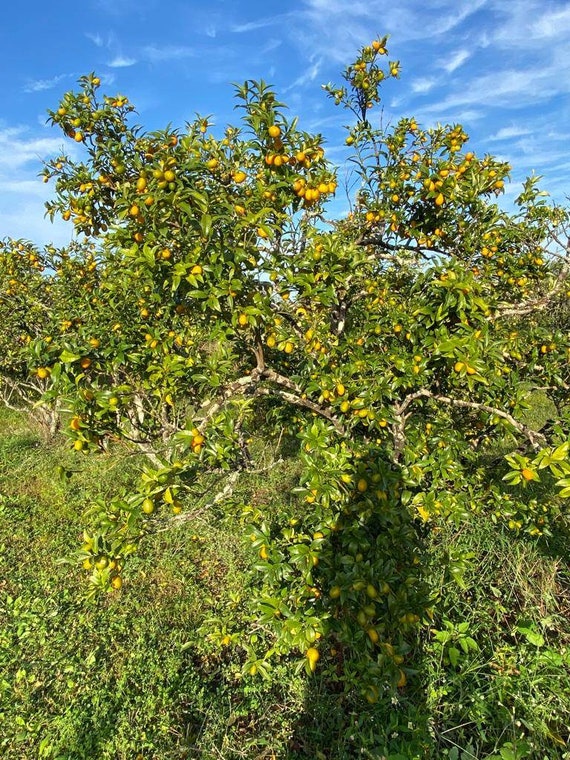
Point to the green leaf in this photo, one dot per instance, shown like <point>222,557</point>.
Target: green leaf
<point>206,225</point>
<point>68,356</point>
<point>531,635</point>
<point>454,656</point>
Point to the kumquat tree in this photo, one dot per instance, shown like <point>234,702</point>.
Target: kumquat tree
<point>211,314</point>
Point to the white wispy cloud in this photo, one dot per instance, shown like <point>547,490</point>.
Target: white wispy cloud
<point>457,16</point>
<point>155,54</point>
<point>456,60</point>
<point>40,85</point>
<point>508,133</point>
<point>526,20</point>
<point>17,149</point>
<point>95,38</point>
<point>272,44</point>
<point>423,85</point>
<point>356,22</point>
<point>553,24</point>
<point>309,75</point>
<point>260,23</point>
<point>509,88</point>
<point>121,62</point>
<point>22,193</point>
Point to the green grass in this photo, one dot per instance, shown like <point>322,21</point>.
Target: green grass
<point>135,675</point>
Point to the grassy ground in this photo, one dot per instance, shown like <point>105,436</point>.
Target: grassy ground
<point>135,676</point>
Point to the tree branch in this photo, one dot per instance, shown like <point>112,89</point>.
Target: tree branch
<point>533,304</point>
<point>535,439</point>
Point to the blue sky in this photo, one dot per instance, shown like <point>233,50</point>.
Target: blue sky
<point>499,67</point>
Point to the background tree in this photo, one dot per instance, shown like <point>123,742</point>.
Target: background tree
<point>399,348</point>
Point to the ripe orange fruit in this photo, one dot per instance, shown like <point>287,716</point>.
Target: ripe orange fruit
<point>75,423</point>
<point>274,130</point>
<point>117,582</point>
<point>242,320</point>
<point>239,177</point>
<point>85,362</point>
<point>527,474</point>
<point>43,372</point>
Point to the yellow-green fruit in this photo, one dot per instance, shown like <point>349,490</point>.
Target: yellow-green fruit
<point>312,656</point>
<point>362,617</point>
<point>373,635</point>
<point>117,582</point>
<point>148,506</point>
<point>371,694</point>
